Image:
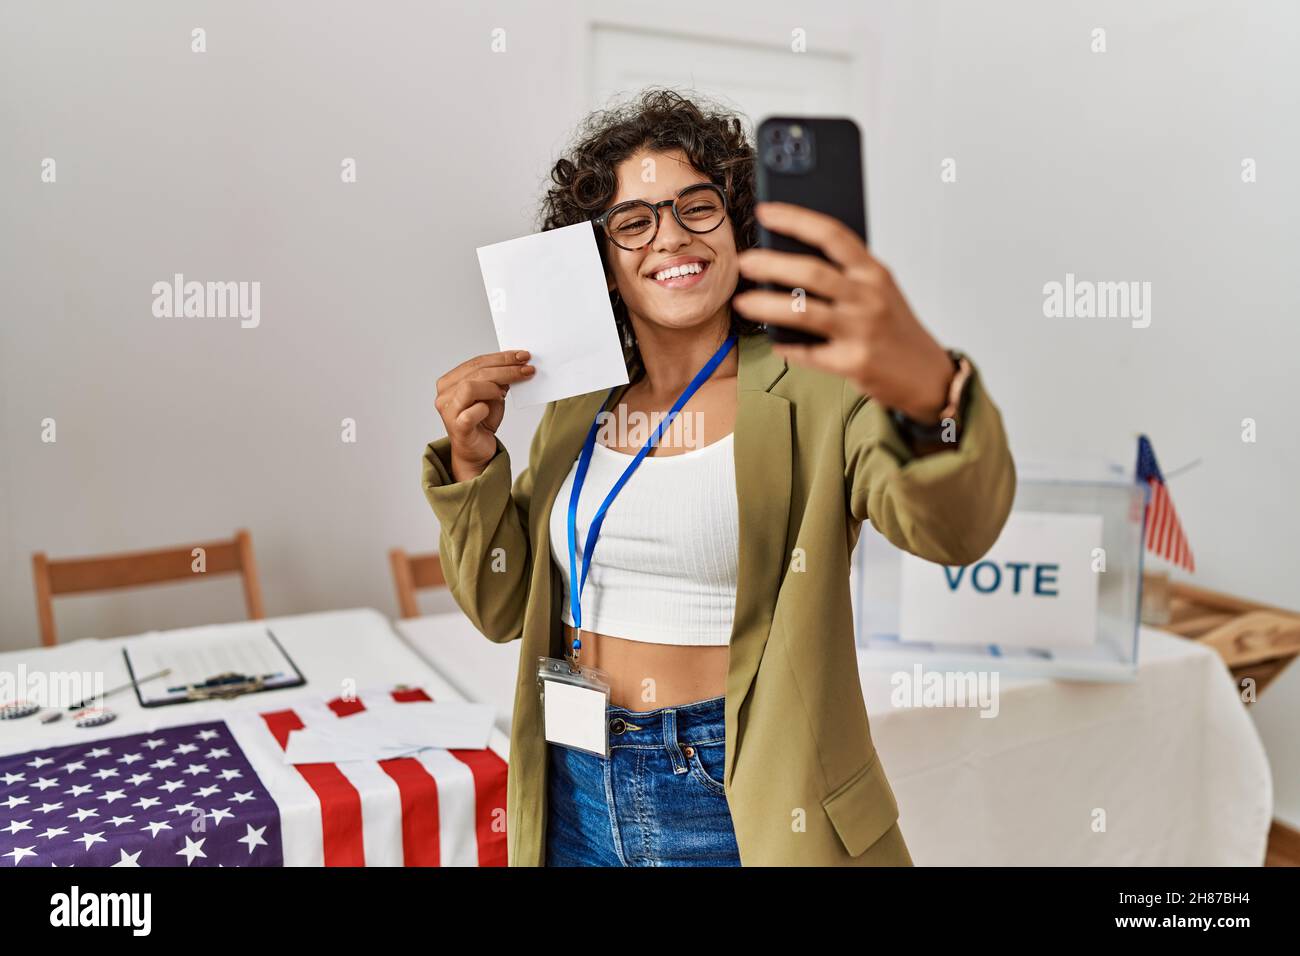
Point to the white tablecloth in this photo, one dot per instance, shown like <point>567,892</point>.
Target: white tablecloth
<point>1165,771</point>
<point>341,653</point>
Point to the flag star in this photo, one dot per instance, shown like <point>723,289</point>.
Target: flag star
<point>44,783</point>
<point>17,825</point>
<point>206,734</point>
<point>253,838</point>
<point>219,814</point>
<point>192,849</point>
<point>14,778</point>
<point>78,789</point>
<point>83,813</point>
<point>139,778</point>
<point>90,839</point>
<point>75,765</point>
<point>111,795</point>
<point>208,791</point>
<point>163,764</point>
<point>156,826</point>
<point>153,743</point>
<point>19,852</point>
<point>216,753</point>
<point>171,785</point>
<point>39,762</point>
<point>242,796</point>
<point>47,807</point>
<point>183,808</point>
<point>51,832</point>
<point>185,749</point>
<point>15,801</point>
<point>144,803</point>
<point>118,821</point>
<point>229,774</point>
<point>129,759</point>
<point>128,859</point>
<point>105,773</point>
<point>100,752</point>
<point>196,768</point>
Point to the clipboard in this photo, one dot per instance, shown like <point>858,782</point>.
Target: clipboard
<point>216,665</point>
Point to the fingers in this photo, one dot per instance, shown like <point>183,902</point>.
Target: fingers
<point>454,404</point>
<point>470,417</point>
<point>833,357</point>
<point>840,243</point>
<point>809,273</point>
<point>479,365</point>
<point>784,308</point>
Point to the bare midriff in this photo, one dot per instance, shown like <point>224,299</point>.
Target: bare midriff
<point>645,676</point>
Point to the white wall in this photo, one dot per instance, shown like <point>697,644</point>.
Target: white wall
<point>225,166</point>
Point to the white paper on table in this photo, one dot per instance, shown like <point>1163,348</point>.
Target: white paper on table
<point>398,731</point>
<point>548,295</point>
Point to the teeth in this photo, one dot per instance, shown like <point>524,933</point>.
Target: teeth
<point>676,272</point>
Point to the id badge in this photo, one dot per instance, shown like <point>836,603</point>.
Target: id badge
<point>574,705</point>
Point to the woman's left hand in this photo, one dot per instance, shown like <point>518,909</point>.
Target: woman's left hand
<point>874,340</point>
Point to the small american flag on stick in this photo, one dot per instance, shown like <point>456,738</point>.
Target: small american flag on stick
<point>1164,532</point>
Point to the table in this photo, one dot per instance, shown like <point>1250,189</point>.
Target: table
<point>439,808</point>
<point>1165,770</point>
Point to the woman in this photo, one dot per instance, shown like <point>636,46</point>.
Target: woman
<point>717,601</point>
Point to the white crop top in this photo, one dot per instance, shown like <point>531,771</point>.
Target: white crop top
<point>664,568</point>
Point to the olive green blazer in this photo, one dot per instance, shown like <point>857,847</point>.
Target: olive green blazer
<point>814,459</point>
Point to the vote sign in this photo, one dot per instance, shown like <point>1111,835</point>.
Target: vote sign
<point>1036,587</point>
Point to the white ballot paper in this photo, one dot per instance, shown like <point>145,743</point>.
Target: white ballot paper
<point>548,295</point>
<point>384,733</point>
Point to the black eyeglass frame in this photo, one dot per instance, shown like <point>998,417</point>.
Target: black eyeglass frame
<point>654,207</point>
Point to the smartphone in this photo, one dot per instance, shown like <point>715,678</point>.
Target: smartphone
<point>812,162</point>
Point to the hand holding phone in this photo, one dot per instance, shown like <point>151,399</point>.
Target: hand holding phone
<point>827,301</point>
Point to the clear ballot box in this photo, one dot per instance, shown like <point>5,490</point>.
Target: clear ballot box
<point>1058,594</point>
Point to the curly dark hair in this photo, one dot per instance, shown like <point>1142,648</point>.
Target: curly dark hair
<point>714,139</point>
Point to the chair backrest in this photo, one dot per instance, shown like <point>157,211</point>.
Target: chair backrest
<point>412,572</point>
<point>142,568</point>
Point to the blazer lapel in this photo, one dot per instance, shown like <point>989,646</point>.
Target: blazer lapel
<point>764,460</point>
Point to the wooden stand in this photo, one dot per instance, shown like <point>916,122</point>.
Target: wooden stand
<point>1256,641</point>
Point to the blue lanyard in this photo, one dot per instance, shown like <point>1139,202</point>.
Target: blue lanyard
<point>584,459</point>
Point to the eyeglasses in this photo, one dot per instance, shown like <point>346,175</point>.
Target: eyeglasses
<point>633,225</point>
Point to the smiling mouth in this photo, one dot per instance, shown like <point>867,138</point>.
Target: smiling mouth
<point>680,276</point>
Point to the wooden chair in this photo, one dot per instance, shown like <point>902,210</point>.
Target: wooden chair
<point>412,572</point>
<point>141,568</point>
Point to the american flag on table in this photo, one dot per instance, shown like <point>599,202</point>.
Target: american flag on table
<point>218,793</point>
<point>1164,532</point>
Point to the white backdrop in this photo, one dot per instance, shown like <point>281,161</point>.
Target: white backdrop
<point>225,166</point>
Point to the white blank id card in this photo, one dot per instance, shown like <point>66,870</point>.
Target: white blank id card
<point>575,716</point>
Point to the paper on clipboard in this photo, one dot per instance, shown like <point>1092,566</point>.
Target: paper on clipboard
<point>548,295</point>
<point>199,654</point>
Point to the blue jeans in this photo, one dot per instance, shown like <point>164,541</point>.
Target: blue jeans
<point>657,800</point>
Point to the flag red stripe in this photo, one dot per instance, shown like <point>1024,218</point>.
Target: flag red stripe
<point>418,791</point>
<point>340,804</point>
<point>489,803</point>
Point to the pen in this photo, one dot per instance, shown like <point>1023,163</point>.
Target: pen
<point>127,686</point>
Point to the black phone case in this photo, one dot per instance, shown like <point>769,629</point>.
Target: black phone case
<point>834,185</point>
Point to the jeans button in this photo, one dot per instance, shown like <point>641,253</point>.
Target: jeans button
<point>617,725</point>
<point>690,752</point>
